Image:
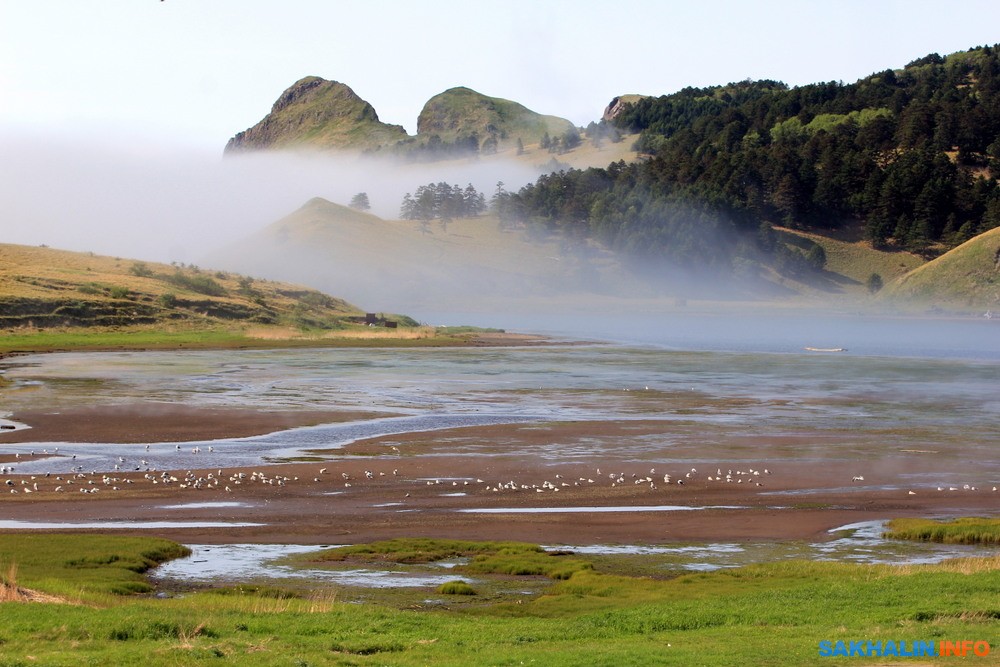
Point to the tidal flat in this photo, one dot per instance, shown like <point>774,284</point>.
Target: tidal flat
<point>577,446</point>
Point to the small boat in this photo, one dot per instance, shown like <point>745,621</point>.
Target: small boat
<point>826,349</point>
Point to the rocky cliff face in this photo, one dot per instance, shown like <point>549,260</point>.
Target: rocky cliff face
<point>617,105</point>
<point>317,113</point>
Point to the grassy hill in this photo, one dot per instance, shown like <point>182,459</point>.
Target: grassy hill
<point>43,288</point>
<point>850,259</point>
<point>317,113</point>
<point>462,112</point>
<point>967,276</point>
<point>435,265</point>
<point>323,115</point>
<point>467,263</point>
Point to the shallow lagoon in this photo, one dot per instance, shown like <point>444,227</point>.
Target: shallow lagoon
<point>840,403</point>
<point>933,397</point>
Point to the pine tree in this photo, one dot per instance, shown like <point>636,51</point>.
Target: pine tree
<point>360,202</point>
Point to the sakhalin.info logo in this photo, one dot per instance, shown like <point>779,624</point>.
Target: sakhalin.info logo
<point>870,649</point>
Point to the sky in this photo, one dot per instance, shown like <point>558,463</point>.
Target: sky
<point>197,71</point>
<point>114,113</point>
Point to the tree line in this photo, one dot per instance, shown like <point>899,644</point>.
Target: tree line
<point>441,201</point>
<point>912,154</point>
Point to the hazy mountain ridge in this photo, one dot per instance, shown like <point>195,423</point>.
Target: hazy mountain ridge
<point>391,263</point>
<point>907,158</point>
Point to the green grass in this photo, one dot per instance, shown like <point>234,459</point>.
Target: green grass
<point>967,530</point>
<point>461,112</point>
<point>84,567</point>
<point>510,558</point>
<point>853,258</point>
<point>772,614</point>
<point>219,337</point>
<point>963,277</point>
<point>457,587</point>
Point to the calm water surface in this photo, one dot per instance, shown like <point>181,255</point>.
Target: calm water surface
<point>940,393</point>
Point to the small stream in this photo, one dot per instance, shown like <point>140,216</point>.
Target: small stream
<point>855,543</point>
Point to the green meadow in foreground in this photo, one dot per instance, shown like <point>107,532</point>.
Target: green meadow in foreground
<point>966,530</point>
<point>771,614</point>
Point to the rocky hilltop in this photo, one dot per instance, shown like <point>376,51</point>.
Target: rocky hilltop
<point>328,115</point>
<point>617,105</point>
<point>317,113</point>
<point>461,113</point>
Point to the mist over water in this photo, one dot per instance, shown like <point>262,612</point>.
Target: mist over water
<point>747,328</point>
<point>164,203</point>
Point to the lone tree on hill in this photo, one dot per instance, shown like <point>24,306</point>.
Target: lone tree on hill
<point>360,201</point>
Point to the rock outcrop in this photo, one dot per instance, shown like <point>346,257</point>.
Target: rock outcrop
<point>317,113</point>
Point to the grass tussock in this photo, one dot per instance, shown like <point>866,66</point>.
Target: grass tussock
<point>419,550</point>
<point>457,587</point>
<point>967,530</point>
<point>507,558</point>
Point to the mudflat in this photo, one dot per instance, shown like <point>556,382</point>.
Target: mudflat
<point>478,482</point>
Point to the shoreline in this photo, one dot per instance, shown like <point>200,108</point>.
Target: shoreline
<point>84,341</point>
<point>141,423</point>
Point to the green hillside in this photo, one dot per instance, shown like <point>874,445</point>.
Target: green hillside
<point>321,114</point>
<point>317,114</point>
<point>434,265</point>
<point>850,260</point>
<point>460,113</point>
<point>43,288</point>
<point>910,157</point>
<point>968,276</point>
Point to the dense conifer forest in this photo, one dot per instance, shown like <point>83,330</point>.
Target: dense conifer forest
<point>910,156</point>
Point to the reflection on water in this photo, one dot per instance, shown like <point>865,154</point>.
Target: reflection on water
<point>209,505</point>
<point>596,509</point>
<point>238,452</point>
<point>855,543</point>
<point>6,524</point>
<point>230,563</point>
<point>847,406</point>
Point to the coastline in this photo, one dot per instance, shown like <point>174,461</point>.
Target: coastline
<point>142,341</point>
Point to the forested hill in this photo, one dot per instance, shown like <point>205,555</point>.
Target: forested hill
<point>911,156</point>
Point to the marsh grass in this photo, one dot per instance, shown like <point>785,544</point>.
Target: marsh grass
<point>457,587</point>
<point>507,558</point>
<point>85,567</point>
<point>418,550</point>
<point>767,614</point>
<point>967,530</point>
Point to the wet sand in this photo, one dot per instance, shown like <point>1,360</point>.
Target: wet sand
<point>415,478</point>
<point>160,422</point>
